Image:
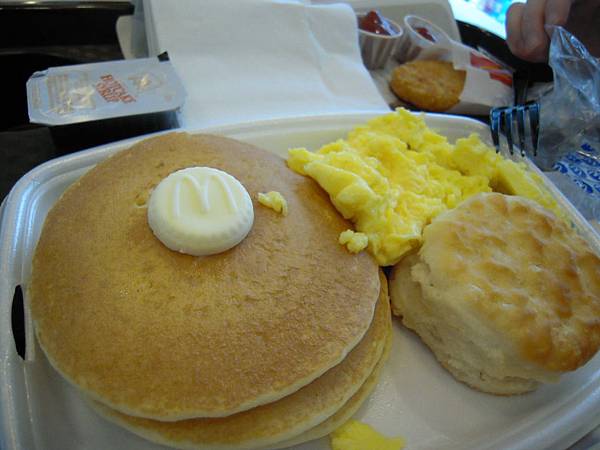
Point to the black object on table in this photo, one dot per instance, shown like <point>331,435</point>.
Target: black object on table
<point>34,37</point>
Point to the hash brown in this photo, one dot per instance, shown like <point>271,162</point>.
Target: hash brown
<point>428,85</point>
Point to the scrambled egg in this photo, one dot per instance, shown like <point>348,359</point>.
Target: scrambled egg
<point>392,176</point>
<point>274,200</point>
<point>355,435</point>
<point>355,242</point>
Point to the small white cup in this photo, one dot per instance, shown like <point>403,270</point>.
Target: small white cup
<point>422,37</point>
<point>377,49</point>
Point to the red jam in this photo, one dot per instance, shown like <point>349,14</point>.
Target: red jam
<point>425,33</point>
<point>376,23</point>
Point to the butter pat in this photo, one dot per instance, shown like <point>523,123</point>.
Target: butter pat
<point>355,435</point>
<point>354,242</point>
<point>200,211</point>
<point>275,201</point>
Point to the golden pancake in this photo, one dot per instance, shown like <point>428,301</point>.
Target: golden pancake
<point>346,412</point>
<point>280,420</point>
<point>159,334</point>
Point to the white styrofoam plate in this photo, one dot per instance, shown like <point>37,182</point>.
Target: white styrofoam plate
<point>416,398</point>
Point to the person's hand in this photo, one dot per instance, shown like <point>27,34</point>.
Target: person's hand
<point>525,33</point>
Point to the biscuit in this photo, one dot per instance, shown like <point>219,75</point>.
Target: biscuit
<point>505,294</point>
<point>428,85</point>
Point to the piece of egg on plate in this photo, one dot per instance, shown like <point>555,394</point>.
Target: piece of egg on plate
<point>275,201</point>
<point>355,435</point>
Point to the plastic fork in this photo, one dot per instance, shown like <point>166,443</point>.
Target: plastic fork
<point>504,120</point>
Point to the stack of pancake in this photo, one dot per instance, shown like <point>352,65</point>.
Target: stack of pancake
<point>271,343</point>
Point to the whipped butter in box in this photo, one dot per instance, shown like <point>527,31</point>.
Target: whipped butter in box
<point>124,98</point>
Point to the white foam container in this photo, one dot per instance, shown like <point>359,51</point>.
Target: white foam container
<point>416,398</point>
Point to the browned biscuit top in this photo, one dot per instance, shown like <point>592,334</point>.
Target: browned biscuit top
<point>530,276</point>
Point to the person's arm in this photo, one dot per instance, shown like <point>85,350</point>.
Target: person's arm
<point>525,33</point>
<point>525,22</point>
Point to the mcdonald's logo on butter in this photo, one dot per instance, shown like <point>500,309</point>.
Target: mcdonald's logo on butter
<point>202,188</point>
<point>200,211</point>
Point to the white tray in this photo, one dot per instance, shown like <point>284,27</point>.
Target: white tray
<point>416,398</point>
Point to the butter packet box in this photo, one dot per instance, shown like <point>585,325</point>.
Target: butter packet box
<point>112,100</point>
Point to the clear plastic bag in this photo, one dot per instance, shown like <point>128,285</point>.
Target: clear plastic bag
<point>570,112</point>
<point>569,142</point>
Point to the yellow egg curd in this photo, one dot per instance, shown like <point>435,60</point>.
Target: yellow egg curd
<point>355,242</point>
<point>274,200</point>
<point>392,176</point>
<point>355,435</point>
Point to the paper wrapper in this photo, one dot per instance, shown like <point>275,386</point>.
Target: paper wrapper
<point>263,59</point>
<point>487,83</point>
